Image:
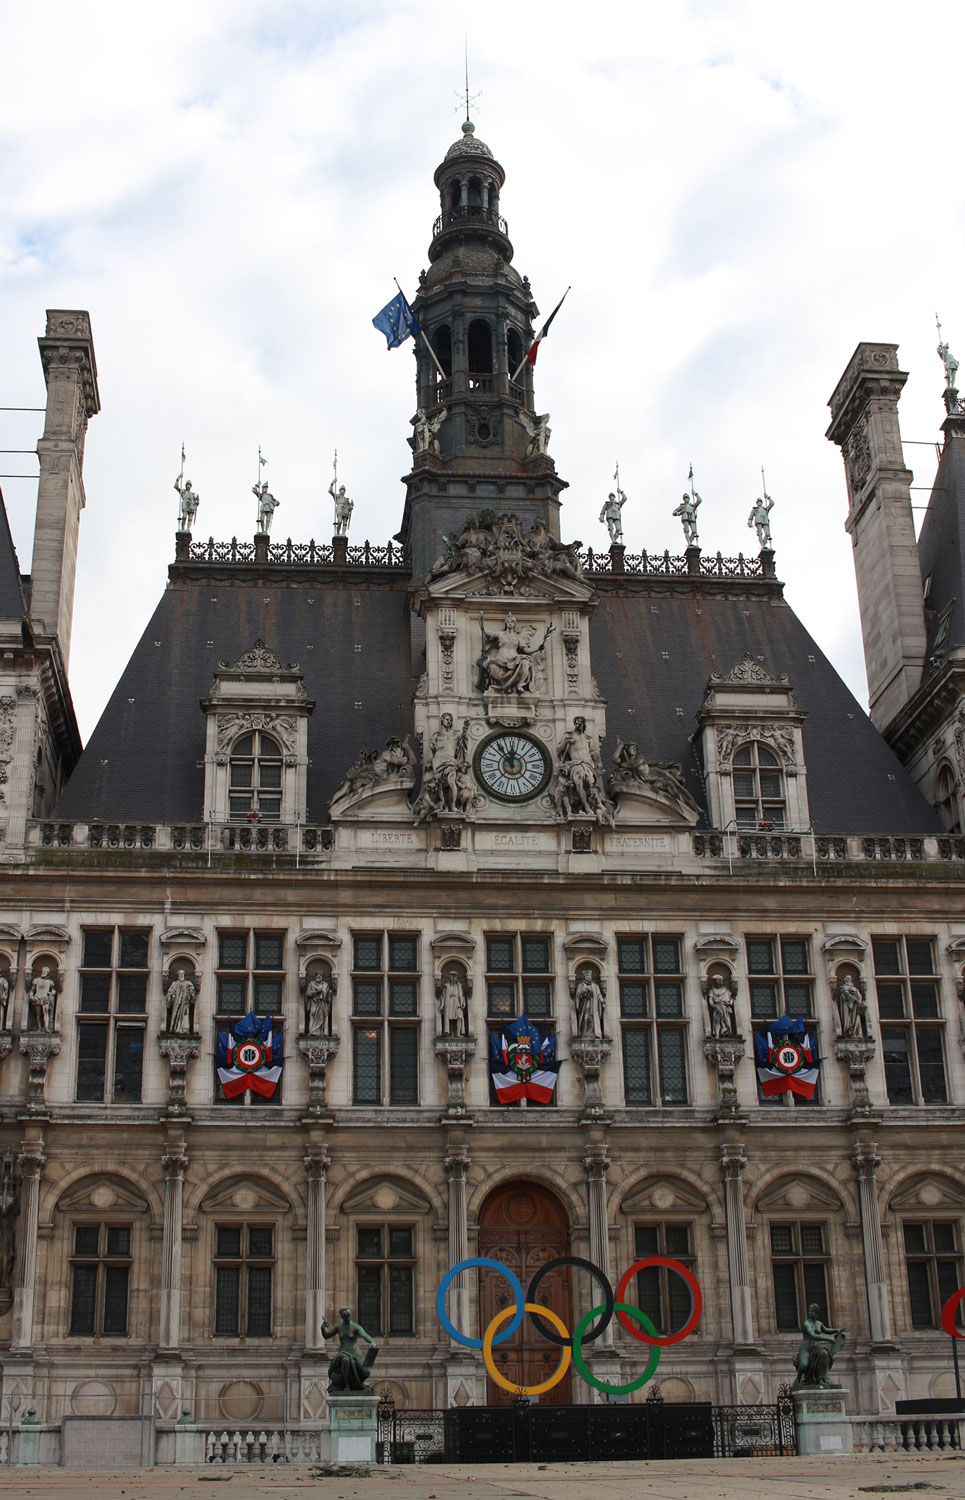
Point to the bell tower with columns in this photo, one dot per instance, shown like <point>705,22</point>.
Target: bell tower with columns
<point>489,450</point>
<point>864,424</point>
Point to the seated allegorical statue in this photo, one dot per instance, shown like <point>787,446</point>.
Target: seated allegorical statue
<point>817,1351</point>
<point>349,1371</point>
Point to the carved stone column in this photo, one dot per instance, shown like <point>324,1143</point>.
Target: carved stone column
<point>175,1162</point>
<point>39,1047</point>
<point>25,1276</point>
<point>724,1053</point>
<point>456,1052</point>
<point>732,1165</point>
<point>592,1053</point>
<point>457,1165</point>
<point>596,1164</point>
<point>866,1162</point>
<point>857,1052</point>
<point>179,1050</point>
<point>318,1052</point>
<point>316,1175</point>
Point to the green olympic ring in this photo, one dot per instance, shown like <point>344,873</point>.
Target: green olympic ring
<point>589,1377</point>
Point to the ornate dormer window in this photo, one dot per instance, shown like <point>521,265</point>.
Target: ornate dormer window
<point>256,753</point>
<point>749,733</point>
<point>255,777</point>
<point>759,792</point>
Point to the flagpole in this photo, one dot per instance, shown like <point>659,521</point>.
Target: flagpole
<point>442,373</point>
<point>541,334</point>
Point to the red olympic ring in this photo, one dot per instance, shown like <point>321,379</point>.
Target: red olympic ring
<point>949,1311</point>
<point>695,1292</point>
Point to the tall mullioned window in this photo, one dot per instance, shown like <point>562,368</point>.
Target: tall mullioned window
<point>662,1293</point>
<point>254,778</point>
<point>112,1014</point>
<point>385,1018</point>
<point>912,1024</point>
<point>250,977</point>
<point>799,1267</point>
<point>243,1266</point>
<point>759,797</point>
<point>652,1021</point>
<point>519,977</point>
<point>100,1269</point>
<point>933,1261</point>
<point>384,1272</point>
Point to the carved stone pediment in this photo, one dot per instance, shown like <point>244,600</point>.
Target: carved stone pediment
<point>386,1194</point>
<point>493,555</point>
<point>797,1193</point>
<point>717,942</point>
<point>478,586</point>
<point>844,942</point>
<point>750,672</point>
<point>660,1194</point>
<point>102,1194</point>
<point>640,806</point>
<point>927,1192</point>
<point>379,782</point>
<point>10,934</point>
<point>586,942</point>
<point>41,933</point>
<point>383,799</point>
<point>259,660</point>
<point>453,942</point>
<point>956,948</point>
<point>322,938</point>
<point>245,1195</point>
<point>183,937</point>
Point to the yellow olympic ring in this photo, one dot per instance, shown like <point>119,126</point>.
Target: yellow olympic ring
<point>561,1368</point>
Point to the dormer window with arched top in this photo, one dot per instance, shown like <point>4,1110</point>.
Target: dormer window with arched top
<point>254,779</point>
<point>759,792</point>
<point>946,799</point>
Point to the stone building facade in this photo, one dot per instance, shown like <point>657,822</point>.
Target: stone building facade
<point>386,800</point>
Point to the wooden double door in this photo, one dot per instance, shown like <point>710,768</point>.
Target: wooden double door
<point>524,1226</point>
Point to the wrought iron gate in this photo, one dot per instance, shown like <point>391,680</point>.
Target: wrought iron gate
<point>570,1434</point>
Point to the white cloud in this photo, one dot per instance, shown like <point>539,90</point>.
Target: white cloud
<point>738,193</point>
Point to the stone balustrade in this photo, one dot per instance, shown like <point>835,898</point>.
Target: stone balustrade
<point>905,1434</point>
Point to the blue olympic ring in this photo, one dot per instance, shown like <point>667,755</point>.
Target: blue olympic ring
<point>465,1265</point>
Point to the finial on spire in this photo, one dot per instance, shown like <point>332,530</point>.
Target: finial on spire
<point>464,97</point>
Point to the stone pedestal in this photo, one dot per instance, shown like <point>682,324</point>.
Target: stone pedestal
<point>353,1427</point>
<point>318,1052</point>
<point>179,1049</point>
<point>457,1053</point>
<point>592,1053</point>
<point>857,1052</point>
<point>38,1047</point>
<point>823,1425</point>
<point>724,1053</point>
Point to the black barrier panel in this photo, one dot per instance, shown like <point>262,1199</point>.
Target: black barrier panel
<point>575,1434</point>
<point>619,1432</point>
<point>682,1430</point>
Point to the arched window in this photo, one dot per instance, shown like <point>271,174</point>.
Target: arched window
<point>480,348</point>
<point>758,787</point>
<point>255,778</point>
<point>442,344</point>
<point>946,801</point>
<point>514,350</point>
<point>455,196</point>
<point>475,197</point>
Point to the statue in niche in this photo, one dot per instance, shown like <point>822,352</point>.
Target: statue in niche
<point>760,518</point>
<point>611,514</point>
<point>180,994</point>
<point>720,992</point>
<point>190,499</point>
<point>4,1001</point>
<point>447,786</point>
<point>319,991</point>
<point>267,505</point>
<point>588,993</point>
<point>348,1371</point>
<point>578,790</point>
<point>453,991</point>
<point>508,660</point>
<point>538,431</point>
<point>687,511</point>
<point>42,1000</point>
<point>7,1251</point>
<point>426,428</point>
<point>344,507</point>
<point>852,1006</point>
<point>817,1351</point>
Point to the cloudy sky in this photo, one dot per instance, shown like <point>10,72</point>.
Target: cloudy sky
<point>737,192</point>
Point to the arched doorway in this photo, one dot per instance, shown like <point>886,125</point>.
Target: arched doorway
<point>524,1225</point>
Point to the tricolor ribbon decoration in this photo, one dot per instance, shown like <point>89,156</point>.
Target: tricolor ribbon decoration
<point>249,1057</point>
<point>787,1061</point>
<point>523,1062</point>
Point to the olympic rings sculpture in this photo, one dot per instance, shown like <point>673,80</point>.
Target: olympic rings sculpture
<point>571,1346</point>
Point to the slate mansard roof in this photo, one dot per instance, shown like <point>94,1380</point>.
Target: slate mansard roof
<point>941,549</point>
<point>654,644</point>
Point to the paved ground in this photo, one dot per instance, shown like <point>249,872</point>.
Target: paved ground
<point>934,1477</point>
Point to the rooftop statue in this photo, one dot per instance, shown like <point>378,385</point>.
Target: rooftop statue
<point>817,1351</point>
<point>267,505</point>
<point>948,360</point>
<point>610,513</point>
<point>687,511</point>
<point>348,1371</point>
<point>188,508</point>
<point>760,518</point>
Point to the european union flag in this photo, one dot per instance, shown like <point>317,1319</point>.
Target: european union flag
<point>397,321</point>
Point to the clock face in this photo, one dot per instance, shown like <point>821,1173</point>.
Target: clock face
<point>513,767</point>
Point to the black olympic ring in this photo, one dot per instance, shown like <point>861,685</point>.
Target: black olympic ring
<point>582,1265</point>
